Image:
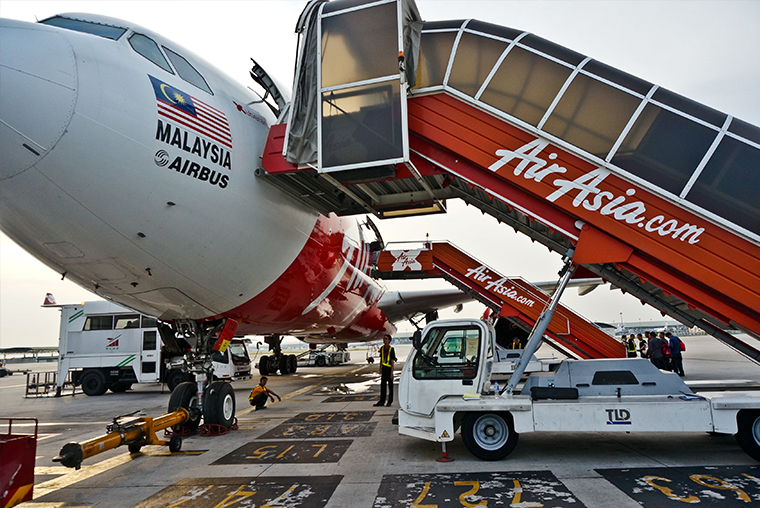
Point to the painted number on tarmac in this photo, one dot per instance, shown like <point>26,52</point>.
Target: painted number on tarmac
<point>301,492</point>
<point>309,452</point>
<point>526,489</point>
<point>355,416</point>
<point>718,486</point>
<point>319,431</point>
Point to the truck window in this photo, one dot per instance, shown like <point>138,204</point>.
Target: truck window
<point>220,357</point>
<point>149,341</point>
<point>448,353</point>
<point>148,322</point>
<point>238,353</point>
<point>127,321</point>
<point>98,323</point>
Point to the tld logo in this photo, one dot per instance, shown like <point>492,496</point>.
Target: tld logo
<point>618,417</point>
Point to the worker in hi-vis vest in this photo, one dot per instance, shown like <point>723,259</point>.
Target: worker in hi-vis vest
<point>387,361</point>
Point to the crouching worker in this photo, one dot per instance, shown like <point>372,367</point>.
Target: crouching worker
<point>258,396</point>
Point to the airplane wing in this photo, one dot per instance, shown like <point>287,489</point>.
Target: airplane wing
<point>400,305</point>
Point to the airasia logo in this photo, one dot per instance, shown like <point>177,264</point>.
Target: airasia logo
<point>586,192</point>
<point>482,274</point>
<point>406,260</point>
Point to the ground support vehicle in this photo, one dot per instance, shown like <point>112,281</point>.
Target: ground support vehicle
<point>108,347</point>
<point>321,358</point>
<point>447,385</point>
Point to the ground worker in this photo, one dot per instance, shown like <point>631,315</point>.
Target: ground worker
<point>258,396</point>
<point>387,361</point>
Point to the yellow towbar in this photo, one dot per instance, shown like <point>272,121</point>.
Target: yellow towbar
<point>134,431</point>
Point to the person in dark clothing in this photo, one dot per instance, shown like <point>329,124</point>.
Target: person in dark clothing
<point>387,361</point>
<point>675,352</point>
<point>654,350</point>
<point>642,345</point>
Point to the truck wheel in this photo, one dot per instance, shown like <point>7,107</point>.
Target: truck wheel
<point>174,378</point>
<point>292,363</point>
<point>489,436</point>
<point>284,365</point>
<point>264,365</point>
<point>175,443</point>
<point>94,383</point>
<point>219,404</point>
<point>320,361</point>
<point>185,395</point>
<point>118,387</point>
<point>748,435</point>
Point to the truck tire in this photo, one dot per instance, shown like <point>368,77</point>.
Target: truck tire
<point>320,361</point>
<point>119,387</point>
<point>185,395</point>
<point>264,365</point>
<point>175,443</point>
<point>748,435</point>
<point>284,365</point>
<point>293,364</point>
<point>219,404</point>
<point>176,377</point>
<point>489,436</point>
<point>93,383</point>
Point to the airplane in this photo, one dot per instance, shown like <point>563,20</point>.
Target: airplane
<point>129,168</point>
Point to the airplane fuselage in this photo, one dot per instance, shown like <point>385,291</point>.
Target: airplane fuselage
<point>136,179</point>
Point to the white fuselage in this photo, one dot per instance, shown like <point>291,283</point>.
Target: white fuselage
<point>104,180</point>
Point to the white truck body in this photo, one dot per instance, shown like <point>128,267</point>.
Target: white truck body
<point>125,348</point>
<point>446,384</point>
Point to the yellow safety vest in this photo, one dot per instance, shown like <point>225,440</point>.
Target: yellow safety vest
<point>385,359</point>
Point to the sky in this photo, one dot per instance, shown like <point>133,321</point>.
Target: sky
<point>704,50</point>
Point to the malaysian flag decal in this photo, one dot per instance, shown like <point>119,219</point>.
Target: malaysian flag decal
<point>191,113</point>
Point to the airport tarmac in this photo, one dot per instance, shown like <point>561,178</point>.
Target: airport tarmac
<point>327,445</point>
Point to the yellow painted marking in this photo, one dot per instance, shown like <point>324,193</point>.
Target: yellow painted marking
<point>321,447</point>
<point>168,454</point>
<point>21,492</point>
<point>43,470</point>
<point>721,485</point>
<point>668,492</point>
<point>416,503</point>
<point>286,451</point>
<point>239,493</point>
<point>84,473</point>
<point>281,498</point>
<point>261,452</point>
<point>189,498</point>
<point>296,393</point>
<point>474,487</point>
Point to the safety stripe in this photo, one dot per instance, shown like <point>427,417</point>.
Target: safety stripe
<point>126,361</point>
<point>76,316</point>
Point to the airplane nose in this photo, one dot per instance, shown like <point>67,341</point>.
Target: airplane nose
<point>38,87</point>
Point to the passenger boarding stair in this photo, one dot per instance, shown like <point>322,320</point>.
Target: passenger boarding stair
<point>517,299</point>
<point>655,193</point>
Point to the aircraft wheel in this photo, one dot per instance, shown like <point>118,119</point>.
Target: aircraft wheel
<point>175,443</point>
<point>120,387</point>
<point>284,365</point>
<point>292,363</point>
<point>489,436</point>
<point>320,361</point>
<point>185,395</point>
<point>264,365</point>
<point>219,405</point>
<point>748,435</point>
<point>94,383</point>
<point>134,448</point>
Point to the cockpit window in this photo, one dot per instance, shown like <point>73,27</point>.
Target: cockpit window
<point>107,31</point>
<point>187,71</point>
<point>149,49</point>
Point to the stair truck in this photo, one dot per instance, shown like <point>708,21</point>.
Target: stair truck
<point>108,347</point>
<point>446,385</point>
